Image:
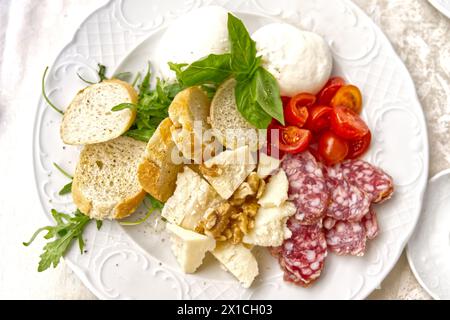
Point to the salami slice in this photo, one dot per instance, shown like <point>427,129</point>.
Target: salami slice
<point>347,238</point>
<point>347,202</point>
<point>368,178</point>
<point>307,187</point>
<point>370,224</point>
<point>328,223</point>
<point>302,256</point>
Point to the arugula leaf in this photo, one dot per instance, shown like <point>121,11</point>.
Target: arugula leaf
<point>248,106</point>
<point>177,68</point>
<point>140,134</point>
<point>151,108</point>
<point>101,72</point>
<point>62,170</point>
<point>99,224</point>
<point>66,189</point>
<point>124,76</point>
<point>211,69</point>
<point>45,95</point>
<point>123,106</point>
<point>101,75</point>
<point>268,94</point>
<point>243,48</point>
<point>67,229</point>
<point>154,205</point>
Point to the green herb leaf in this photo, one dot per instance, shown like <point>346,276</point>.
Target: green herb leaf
<point>66,189</point>
<point>124,76</point>
<point>136,79</point>
<point>62,171</point>
<point>140,134</point>
<point>243,48</point>
<point>178,69</point>
<point>99,224</point>
<point>248,106</point>
<point>101,72</point>
<point>67,228</point>
<point>154,205</point>
<point>123,106</point>
<point>84,80</point>
<point>144,87</point>
<point>268,94</point>
<point>211,69</point>
<point>45,95</point>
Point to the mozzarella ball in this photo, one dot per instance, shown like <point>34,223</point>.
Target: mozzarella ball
<point>191,37</point>
<point>301,61</point>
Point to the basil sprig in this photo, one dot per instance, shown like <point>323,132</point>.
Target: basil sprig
<point>257,92</point>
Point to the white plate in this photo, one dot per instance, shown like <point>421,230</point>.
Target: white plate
<point>136,262</point>
<point>441,5</point>
<point>428,249</point>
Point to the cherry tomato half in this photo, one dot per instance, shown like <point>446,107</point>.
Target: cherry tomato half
<point>288,139</point>
<point>332,149</point>
<point>357,148</point>
<point>294,140</point>
<point>347,124</point>
<point>325,95</point>
<point>348,96</point>
<point>296,111</point>
<point>319,118</point>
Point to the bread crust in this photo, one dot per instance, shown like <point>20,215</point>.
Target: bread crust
<point>156,173</point>
<point>133,99</point>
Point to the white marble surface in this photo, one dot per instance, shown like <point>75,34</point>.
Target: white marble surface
<point>31,35</point>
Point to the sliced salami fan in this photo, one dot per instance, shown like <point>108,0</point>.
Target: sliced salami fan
<point>347,202</point>
<point>302,256</point>
<point>370,224</point>
<point>307,187</point>
<point>370,179</point>
<point>347,238</point>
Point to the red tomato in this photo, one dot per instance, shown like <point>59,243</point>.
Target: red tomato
<point>348,96</point>
<point>319,118</point>
<point>296,116</point>
<point>332,149</point>
<point>294,140</point>
<point>347,124</point>
<point>291,139</point>
<point>358,147</point>
<point>272,146</point>
<point>285,100</point>
<point>327,93</point>
<point>296,111</point>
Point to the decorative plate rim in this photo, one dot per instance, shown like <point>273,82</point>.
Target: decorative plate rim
<point>362,294</point>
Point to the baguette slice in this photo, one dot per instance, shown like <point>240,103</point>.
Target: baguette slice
<point>89,118</point>
<point>229,127</point>
<point>157,172</point>
<point>105,185</point>
<point>189,113</point>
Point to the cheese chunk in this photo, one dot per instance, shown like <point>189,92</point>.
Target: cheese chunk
<point>276,191</point>
<point>267,165</point>
<point>189,247</point>
<point>234,166</point>
<point>238,260</point>
<point>192,197</point>
<point>270,226</point>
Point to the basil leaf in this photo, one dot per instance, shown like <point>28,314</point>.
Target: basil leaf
<point>99,224</point>
<point>211,69</point>
<point>268,94</point>
<point>243,48</point>
<point>247,105</point>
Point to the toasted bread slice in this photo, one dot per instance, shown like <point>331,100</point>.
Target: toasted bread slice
<point>228,125</point>
<point>105,185</point>
<point>157,172</point>
<point>189,112</point>
<point>89,118</point>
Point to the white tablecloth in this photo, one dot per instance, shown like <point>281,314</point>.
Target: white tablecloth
<point>31,35</point>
